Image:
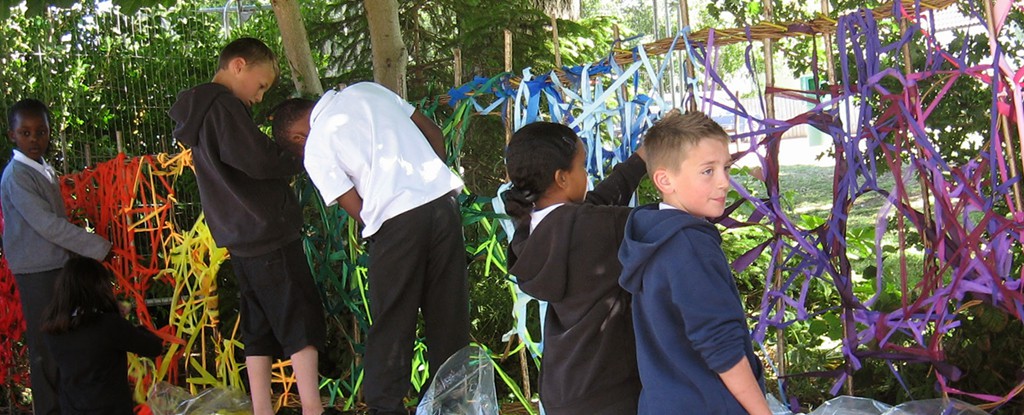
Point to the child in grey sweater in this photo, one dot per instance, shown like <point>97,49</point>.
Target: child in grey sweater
<point>37,237</point>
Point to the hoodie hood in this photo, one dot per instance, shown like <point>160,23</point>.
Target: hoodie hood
<point>647,229</point>
<point>190,110</point>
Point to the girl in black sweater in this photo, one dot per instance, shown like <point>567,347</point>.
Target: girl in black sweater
<point>565,252</point>
<point>88,336</point>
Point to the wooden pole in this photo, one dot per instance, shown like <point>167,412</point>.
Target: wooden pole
<point>773,155</point>
<point>670,55</point>
<point>1007,140</point>
<point>524,368</point>
<point>508,102</point>
<point>63,152</point>
<point>928,266</point>
<point>829,59</point>
<point>119,139</point>
<point>684,15</point>
<point>457,66</point>
<point>554,40</point>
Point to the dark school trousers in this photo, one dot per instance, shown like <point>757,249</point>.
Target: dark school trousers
<point>36,291</point>
<point>417,262</point>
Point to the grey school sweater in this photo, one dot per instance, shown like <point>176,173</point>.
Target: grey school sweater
<point>37,235</point>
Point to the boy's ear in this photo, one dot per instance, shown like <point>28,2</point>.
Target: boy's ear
<point>662,180</point>
<point>236,64</point>
<point>297,139</point>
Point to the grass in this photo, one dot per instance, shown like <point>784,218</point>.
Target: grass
<point>810,192</point>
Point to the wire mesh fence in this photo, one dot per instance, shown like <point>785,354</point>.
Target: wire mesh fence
<point>111,78</point>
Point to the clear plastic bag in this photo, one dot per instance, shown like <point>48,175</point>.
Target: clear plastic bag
<point>167,399</point>
<point>464,385</point>
<point>851,405</point>
<point>777,407</point>
<point>936,407</point>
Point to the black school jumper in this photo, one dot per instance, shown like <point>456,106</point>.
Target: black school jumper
<point>570,260</point>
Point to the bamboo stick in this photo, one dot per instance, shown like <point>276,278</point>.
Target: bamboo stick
<point>554,40</point>
<point>1007,141</point>
<point>457,65</point>
<point>684,16</point>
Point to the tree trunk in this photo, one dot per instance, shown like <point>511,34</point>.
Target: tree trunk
<point>389,55</point>
<point>560,9</point>
<point>296,47</point>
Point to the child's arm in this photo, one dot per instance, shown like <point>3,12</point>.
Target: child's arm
<point>432,132</point>
<point>617,189</point>
<point>705,295</point>
<point>132,338</point>
<point>243,146</point>
<point>54,226</point>
<point>352,203</point>
<point>744,386</point>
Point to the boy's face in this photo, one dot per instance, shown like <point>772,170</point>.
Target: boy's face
<point>700,183</point>
<point>30,133</point>
<point>251,80</point>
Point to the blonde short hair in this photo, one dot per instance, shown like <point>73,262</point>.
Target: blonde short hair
<point>669,139</point>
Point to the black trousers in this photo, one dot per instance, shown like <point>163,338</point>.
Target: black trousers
<point>36,291</point>
<point>417,262</point>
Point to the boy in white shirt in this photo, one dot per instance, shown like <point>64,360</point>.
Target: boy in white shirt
<point>382,161</point>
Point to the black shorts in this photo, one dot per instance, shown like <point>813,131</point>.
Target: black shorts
<point>280,308</point>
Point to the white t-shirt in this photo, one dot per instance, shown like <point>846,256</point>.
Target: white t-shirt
<point>363,137</point>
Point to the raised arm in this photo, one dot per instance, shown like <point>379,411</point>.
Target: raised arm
<point>432,132</point>
<point>617,189</point>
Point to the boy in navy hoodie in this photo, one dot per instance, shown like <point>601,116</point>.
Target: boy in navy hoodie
<point>694,350</point>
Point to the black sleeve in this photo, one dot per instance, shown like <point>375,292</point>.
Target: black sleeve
<point>618,187</point>
<point>243,146</point>
<point>131,338</point>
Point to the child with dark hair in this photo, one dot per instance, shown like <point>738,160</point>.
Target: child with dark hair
<point>37,236</point>
<point>564,252</point>
<point>383,162</point>
<point>693,344</point>
<point>290,124</point>
<point>245,187</point>
<point>85,330</point>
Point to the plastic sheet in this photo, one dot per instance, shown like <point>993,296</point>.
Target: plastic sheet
<point>852,405</point>
<point>167,399</point>
<point>464,385</point>
<point>936,407</point>
<point>777,407</point>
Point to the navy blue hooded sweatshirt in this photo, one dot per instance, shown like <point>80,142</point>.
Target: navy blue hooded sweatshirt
<point>244,177</point>
<point>687,313</point>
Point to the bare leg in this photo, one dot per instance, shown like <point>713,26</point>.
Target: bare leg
<point>304,363</point>
<point>258,368</point>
